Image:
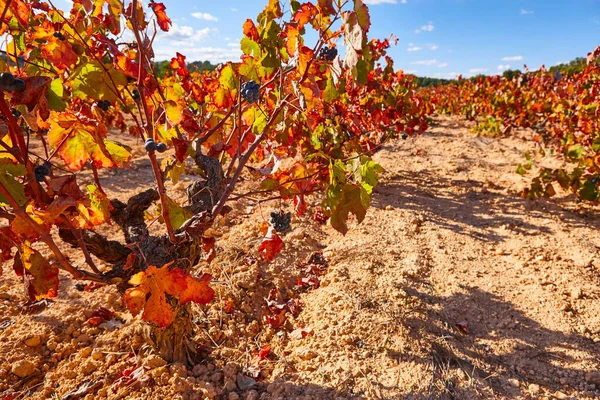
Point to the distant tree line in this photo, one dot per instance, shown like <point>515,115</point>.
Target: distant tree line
<point>573,67</point>
<point>161,68</point>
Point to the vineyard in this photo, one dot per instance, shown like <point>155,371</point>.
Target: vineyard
<point>304,222</point>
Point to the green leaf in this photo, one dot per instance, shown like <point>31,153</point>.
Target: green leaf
<point>330,93</point>
<point>359,72</point>
<point>250,47</point>
<point>8,172</point>
<point>362,12</point>
<point>575,152</point>
<point>260,122</point>
<point>269,184</point>
<point>227,79</point>
<point>589,191</point>
<point>55,96</point>
<point>337,172</point>
<point>520,170</point>
<point>177,214</point>
<point>343,200</point>
<point>370,175</point>
<point>90,81</point>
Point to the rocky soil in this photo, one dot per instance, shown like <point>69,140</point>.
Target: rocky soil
<point>454,287</point>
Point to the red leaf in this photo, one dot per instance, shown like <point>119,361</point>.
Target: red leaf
<point>178,63</point>
<point>159,9</point>
<point>311,281</point>
<point>228,305</point>
<point>181,149</point>
<point>34,94</point>
<point>270,246</point>
<point>301,333</point>
<point>208,247</point>
<point>299,204</point>
<point>275,320</point>
<point>264,352</point>
<point>100,316</point>
<point>250,30</point>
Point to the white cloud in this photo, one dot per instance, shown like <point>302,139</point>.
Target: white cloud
<point>425,62</point>
<point>526,12</point>
<point>233,44</point>
<point>513,58</point>
<point>478,70</point>
<point>204,16</point>
<point>442,65</point>
<point>447,75</point>
<point>182,35</point>
<point>233,9</point>
<point>376,2</point>
<point>213,54</point>
<point>426,28</point>
<point>503,67</point>
<point>433,47</point>
<point>409,71</point>
<point>414,48</point>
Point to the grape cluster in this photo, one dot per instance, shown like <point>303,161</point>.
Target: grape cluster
<point>59,36</point>
<point>42,171</point>
<point>250,91</point>
<point>103,104</point>
<point>281,221</point>
<point>151,145</point>
<point>135,94</point>
<point>9,83</point>
<point>328,53</point>
<point>16,113</point>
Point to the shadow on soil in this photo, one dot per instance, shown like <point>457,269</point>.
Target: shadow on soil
<point>462,331</point>
<point>471,207</point>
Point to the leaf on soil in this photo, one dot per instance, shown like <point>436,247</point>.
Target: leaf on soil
<point>84,388</point>
<point>300,333</point>
<point>270,246</point>
<point>463,326</point>
<point>100,316</point>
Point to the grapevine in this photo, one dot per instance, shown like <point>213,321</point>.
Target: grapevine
<point>70,86</point>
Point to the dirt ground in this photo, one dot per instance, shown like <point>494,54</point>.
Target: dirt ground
<point>454,287</point>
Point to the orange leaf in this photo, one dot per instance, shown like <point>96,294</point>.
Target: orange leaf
<point>178,63</point>
<point>250,30</point>
<point>159,9</point>
<point>197,290</point>
<point>157,283</point>
<point>304,14</point>
<point>40,278</point>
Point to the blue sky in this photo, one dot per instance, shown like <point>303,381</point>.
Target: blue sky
<point>437,38</point>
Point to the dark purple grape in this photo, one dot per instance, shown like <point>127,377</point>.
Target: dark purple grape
<point>161,147</point>
<point>281,221</point>
<point>150,145</point>
<point>59,36</point>
<point>135,94</point>
<point>250,91</point>
<point>7,78</point>
<point>328,53</point>
<point>42,171</point>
